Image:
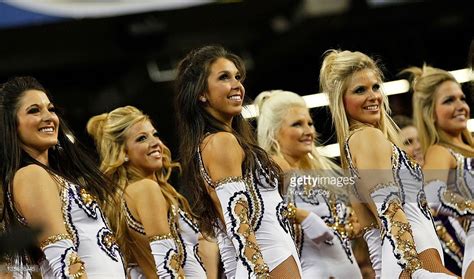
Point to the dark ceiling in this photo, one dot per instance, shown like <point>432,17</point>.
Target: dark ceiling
<point>94,65</point>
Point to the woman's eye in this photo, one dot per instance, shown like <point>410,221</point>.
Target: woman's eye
<point>310,123</point>
<point>359,90</point>
<point>296,124</point>
<point>238,77</point>
<point>52,109</point>
<point>155,134</point>
<point>448,100</point>
<point>33,110</point>
<point>376,87</point>
<point>141,138</point>
<point>224,77</point>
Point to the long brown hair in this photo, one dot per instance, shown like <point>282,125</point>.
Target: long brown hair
<point>194,122</point>
<point>70,160</point>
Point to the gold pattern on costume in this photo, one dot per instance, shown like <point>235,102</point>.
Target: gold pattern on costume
<point>160,237</point>
<point>261,269</point>
<point>458,202</point>
<point>290,212</point>
<point>179,257</point>
<point>53,239</point>
<point>86,197</point>
<point>449,242</point>
<point>74,259</point>
<point>109,241</point>
<point>399,232</point>
<point>381,186</point>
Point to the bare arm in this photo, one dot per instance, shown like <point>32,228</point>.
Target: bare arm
<point>223,158</point>
<point>37,198</point>
<point>209,254</point>
<point>152,208</point>
<point>372,156</point>
<point>438,164</point>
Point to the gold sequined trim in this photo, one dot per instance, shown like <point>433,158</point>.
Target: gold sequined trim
<point>456,201</point>
<point>229,179</point>
<point>160,237</point>
<point>399,232</point>
<point>448,241</point>
<point>381,186</point>
<point>53,239</point>
<point>86,197</point>
<point>261,269</point>
<point>74,259</point>
<point>290,211</point>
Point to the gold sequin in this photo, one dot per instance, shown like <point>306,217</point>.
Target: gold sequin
<point>406,247</point>
<point>53,239</point>
<point>109,241</point>
<point>160,237</point>
<point>261,269</point>
<point>74,259</point>
<point>86,197</point>
<point>290,212</point>
<point>449,242</point>
<point>461,205</point>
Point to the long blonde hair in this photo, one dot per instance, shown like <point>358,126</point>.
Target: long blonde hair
<point>273,107</point>
<point>109,132</point>
<point>337,69</point>
<point>425,82</point>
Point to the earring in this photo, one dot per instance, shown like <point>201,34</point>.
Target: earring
<point>202,99</point>
<point>125,159</point>
<point>58,147</point>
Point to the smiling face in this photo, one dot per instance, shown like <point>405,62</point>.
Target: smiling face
<point>297,134</point>
<point>451,109</point>
<point>144,148</point>
<point>225,92</point>
<point>38,124</point>
<point>363,98</point>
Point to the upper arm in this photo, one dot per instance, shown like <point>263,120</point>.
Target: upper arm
<point>37,198</point>
<point>223,156</point>
<point>151,206</point>
<point>371,150</point>
<point>438,162</point>
<point>373,158</point>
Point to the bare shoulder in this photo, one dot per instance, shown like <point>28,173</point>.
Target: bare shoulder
<point>37,198</point>
<point>143,187</point>
<point>282,163</point>
<point>34,180</point>
<point>222,148</point>
<point>370,149</point>
<point>367,135</point>
<point>222,155</point>
<point>438,157</point>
